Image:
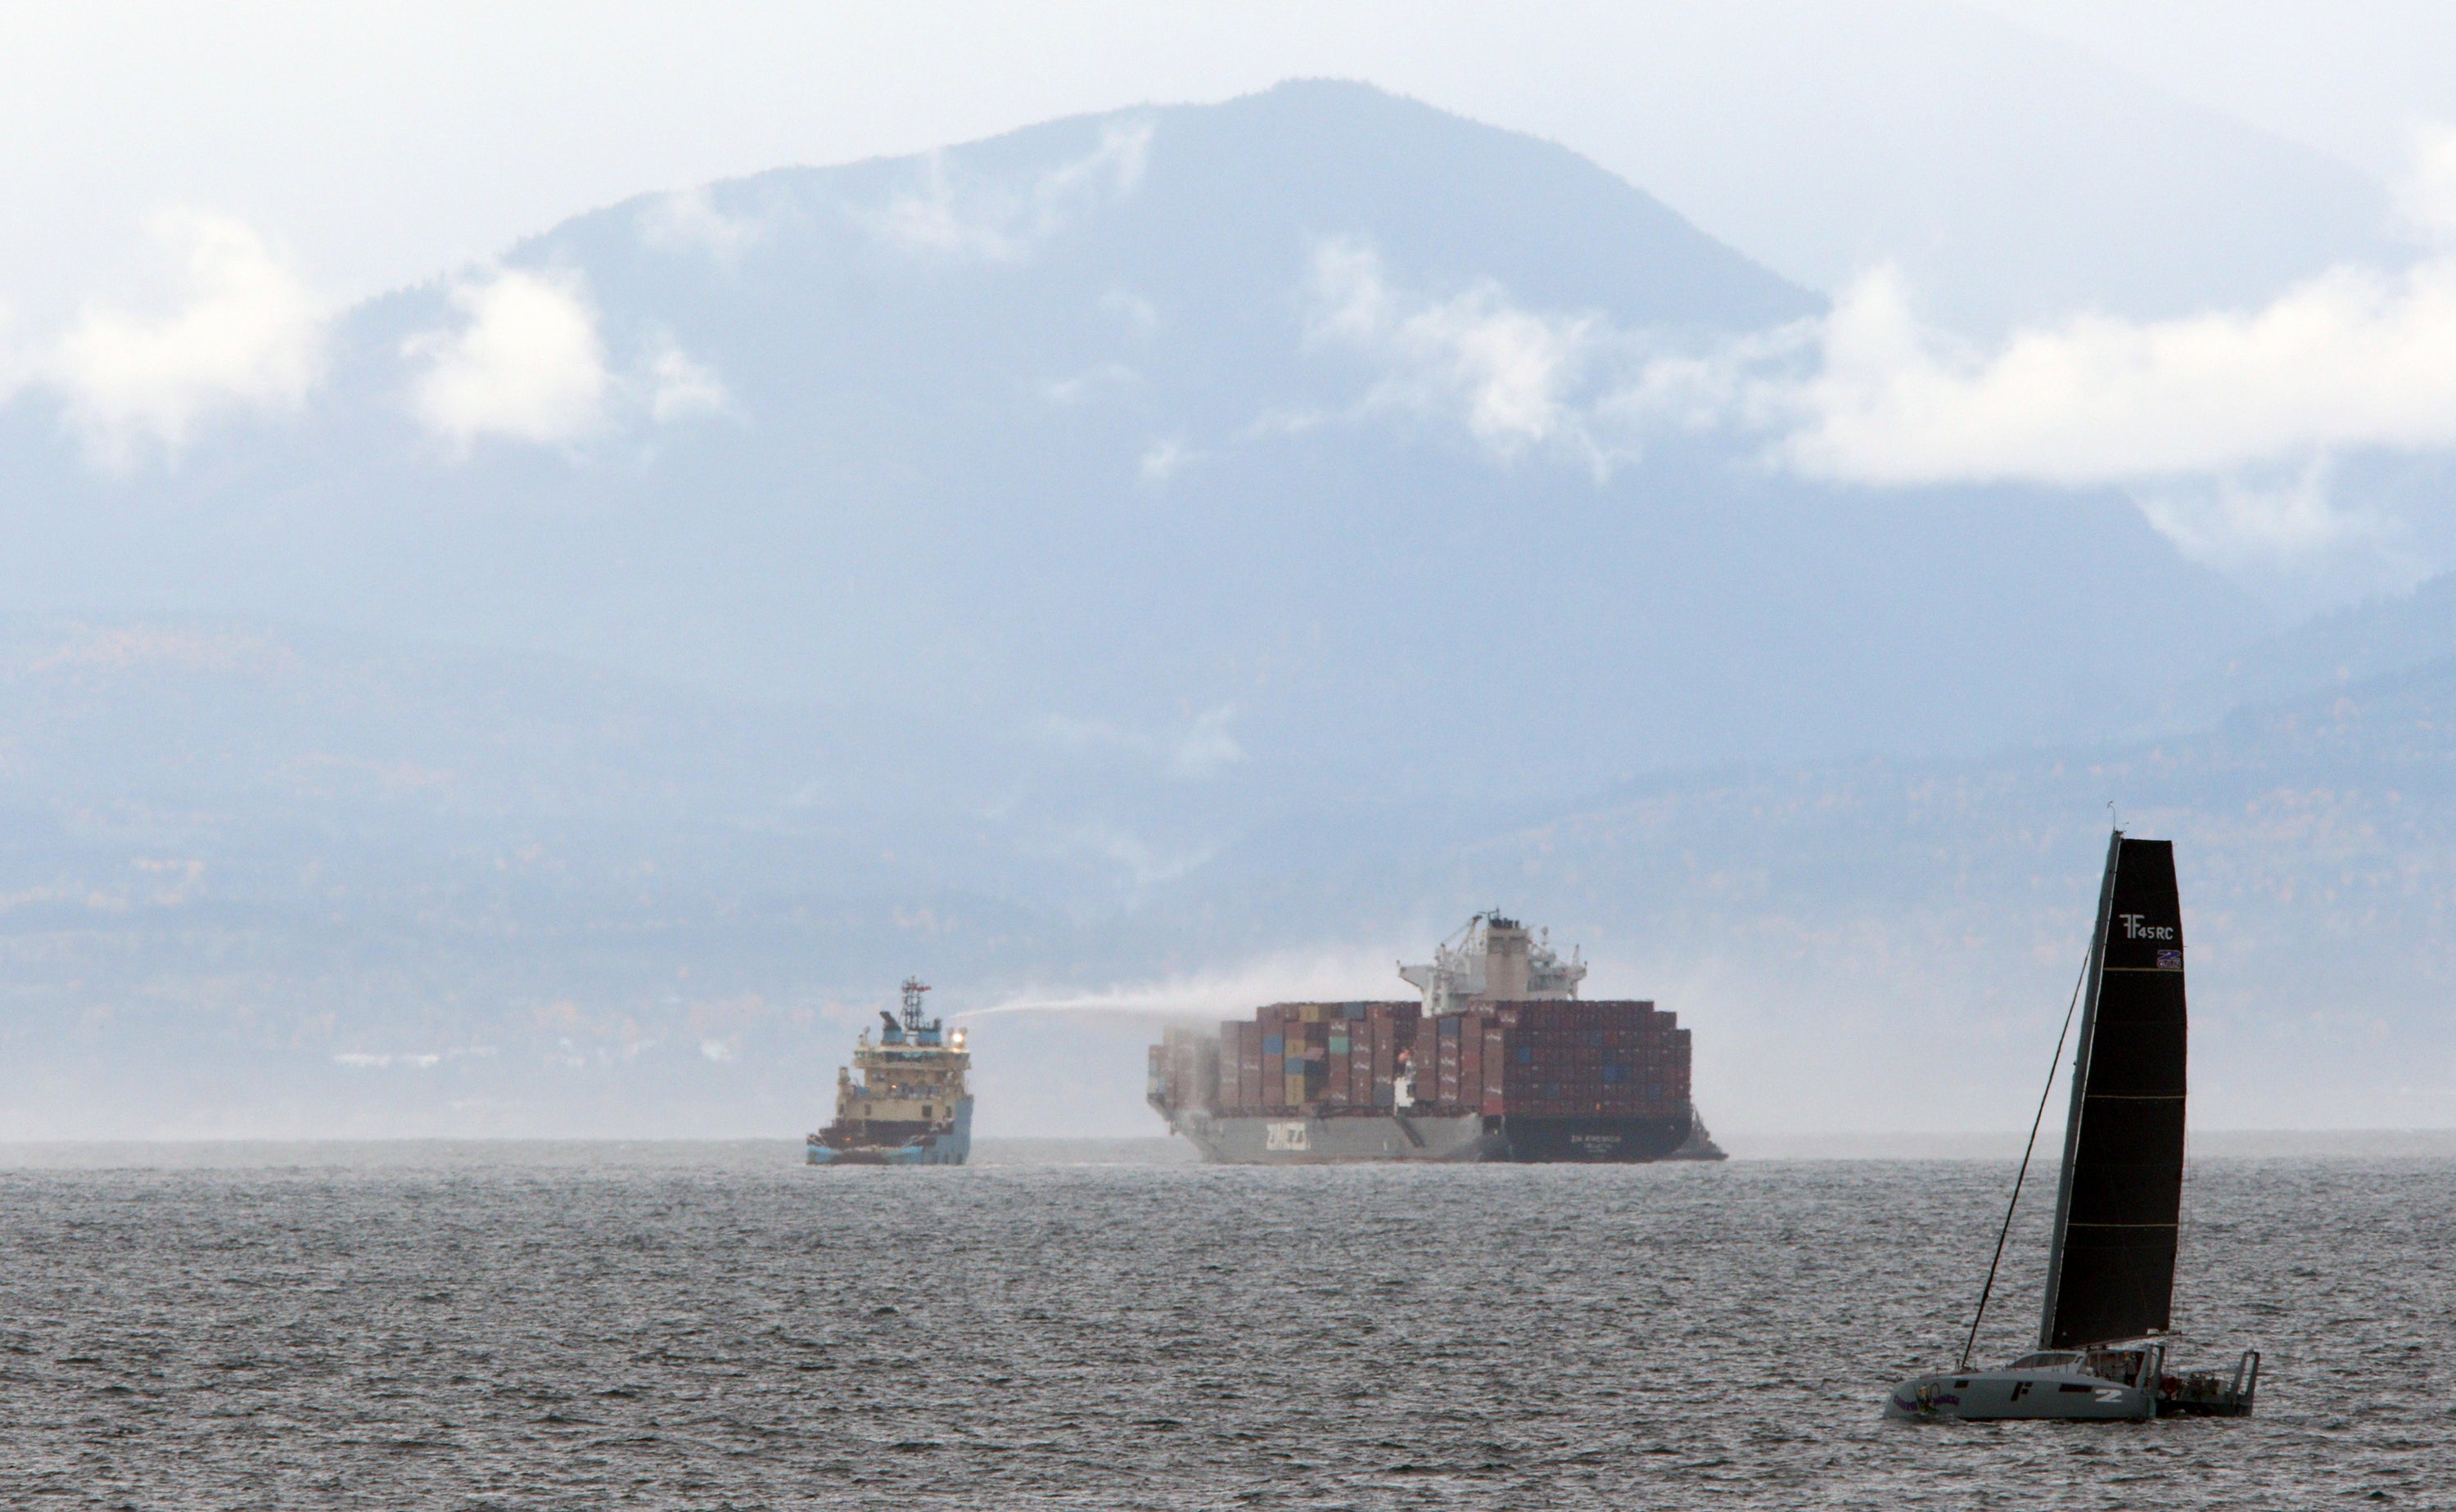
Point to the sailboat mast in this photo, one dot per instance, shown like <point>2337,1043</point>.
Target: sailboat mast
<point>2097,976</point>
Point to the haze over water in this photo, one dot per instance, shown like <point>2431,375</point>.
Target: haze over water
<point>670,1326</point>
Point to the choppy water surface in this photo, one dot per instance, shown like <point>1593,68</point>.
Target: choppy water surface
<point>675,1330</point>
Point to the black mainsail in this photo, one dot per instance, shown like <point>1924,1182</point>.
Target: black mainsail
<point>2111,1263</point>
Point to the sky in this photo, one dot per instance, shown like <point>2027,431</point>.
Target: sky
<point>2351,79</point>
<point>377,144</point>
<point>2197,250</point>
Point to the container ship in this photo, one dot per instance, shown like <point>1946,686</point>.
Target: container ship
<point>911,1106</point>
<point>1497,1059</point>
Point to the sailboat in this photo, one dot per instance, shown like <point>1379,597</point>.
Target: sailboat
<point>2102,1350</point>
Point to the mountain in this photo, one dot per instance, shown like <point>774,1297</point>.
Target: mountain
<point>1297,425</point>
<point>2009,177</point>
<point>257,880</point>
<point>2359,644</point>
<point>1201,553</point>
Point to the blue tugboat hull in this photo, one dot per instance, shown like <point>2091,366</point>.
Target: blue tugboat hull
<point>948,1146</point>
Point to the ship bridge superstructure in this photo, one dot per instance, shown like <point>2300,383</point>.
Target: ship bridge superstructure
<point>909,1092</point>
<point>1494,959</point>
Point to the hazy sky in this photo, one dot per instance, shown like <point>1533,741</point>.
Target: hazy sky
<point>2199,251</point>
<point>378,143</point>
<point>2350,78</point>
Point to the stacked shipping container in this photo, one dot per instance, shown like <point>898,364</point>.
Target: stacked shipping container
<point>1547,1058</point>
<point>1183,1069</point>
<point>1326,1056</point>
<point>1569,1058</point>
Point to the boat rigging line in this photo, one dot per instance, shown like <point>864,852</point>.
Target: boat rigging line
<point>2055,1063</point>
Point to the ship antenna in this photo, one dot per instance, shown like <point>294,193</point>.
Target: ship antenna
<point>914,987</point>
<point>2054,1062</point>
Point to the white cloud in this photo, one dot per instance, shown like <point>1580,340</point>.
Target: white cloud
<point>2222,425</point>
<point>245,336</point>
<point>2426,195</point>
<point>716,1050</point>
<point>682,389</point>
<point>2349,359</point>
<point>1000,220</point>
<point>2261,522</point>
<point>527,364</point>
<point>688,220</point>
<point>1517,379</point>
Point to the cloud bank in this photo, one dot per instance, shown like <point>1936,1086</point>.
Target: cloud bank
<point>2348,360</point>
<point>2223,425</point>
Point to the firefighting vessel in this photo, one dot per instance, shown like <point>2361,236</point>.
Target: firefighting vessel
<point>911,1106</point>
<point>1497,1059</point>
<point>2104,1349</point>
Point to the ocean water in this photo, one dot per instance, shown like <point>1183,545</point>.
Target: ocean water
<point>713,1326</point>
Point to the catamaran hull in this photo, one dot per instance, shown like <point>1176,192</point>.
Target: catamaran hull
<point>1989,1395</point>
<point>2066,1392</point>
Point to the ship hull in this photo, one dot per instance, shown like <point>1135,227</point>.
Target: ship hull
<point>1294,1139</point>
<point>949,1144</point>
<point>1996,1395</point>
